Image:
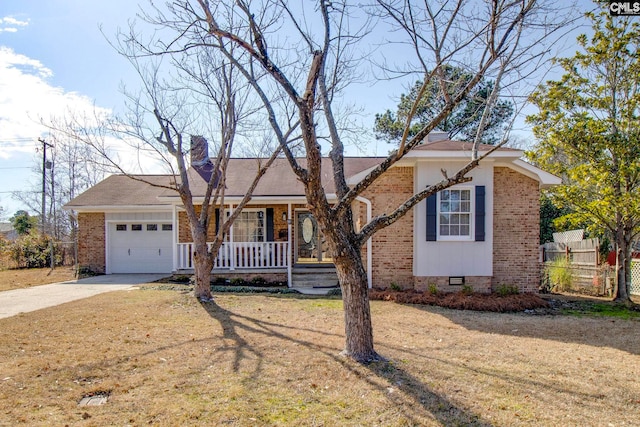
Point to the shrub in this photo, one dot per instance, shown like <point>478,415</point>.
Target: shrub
<point>395,287</point>
<point>85,271</point>
<point>258,281</point>
<point>335,292</point>
<point>219,281</point>
<point>560,275</point>
<point>252,290</point>
<point>504,290</point>
<point>33,250</point>
<point>237,281</point>
<point>433,289</point>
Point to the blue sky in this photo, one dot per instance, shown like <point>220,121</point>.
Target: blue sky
<point>54,56</point>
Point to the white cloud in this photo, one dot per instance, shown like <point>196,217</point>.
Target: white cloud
<point>26,97</point>
<point>9,24</point>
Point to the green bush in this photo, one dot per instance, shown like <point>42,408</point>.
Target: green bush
<point>258,281</point>
<point>560,275</point>
<point>252,290</point>
<point>433,289</point>
<point>467,289</point>
<point>220,281</point>
<point>33,250</point>
<point>505,290</point>
<point>335,292</point>
<point>237,281</point>
<point>395,287</point>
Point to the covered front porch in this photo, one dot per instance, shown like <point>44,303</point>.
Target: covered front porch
<point>279,242</point>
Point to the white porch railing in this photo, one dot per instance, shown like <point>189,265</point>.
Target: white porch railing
<point>233,255</point>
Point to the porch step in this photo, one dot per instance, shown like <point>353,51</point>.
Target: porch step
<point>314,278</point>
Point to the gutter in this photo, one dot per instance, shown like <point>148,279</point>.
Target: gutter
<point>369,243</point>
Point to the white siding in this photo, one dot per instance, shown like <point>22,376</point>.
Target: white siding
<point>452,258</point>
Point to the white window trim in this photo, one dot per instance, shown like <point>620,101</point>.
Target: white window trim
<point>472,216</point>
<point>264,216</point>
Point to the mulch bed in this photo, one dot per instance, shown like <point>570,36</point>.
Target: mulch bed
<point>464,301</point>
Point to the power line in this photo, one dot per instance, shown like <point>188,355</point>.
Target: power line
<point>18,139</point>
<point>19,191</point>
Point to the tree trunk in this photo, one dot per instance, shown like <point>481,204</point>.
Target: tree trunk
<point>357,314</point>
<point>624,271</point>
<point>203,265</point>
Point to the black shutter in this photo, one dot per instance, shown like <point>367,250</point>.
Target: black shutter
<point>431,217</point>
<point>480,213</point>
<point>217,219</point>
<point>270,225</point>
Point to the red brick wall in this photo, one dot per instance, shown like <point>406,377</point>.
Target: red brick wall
<point>91,241</point>
<point>516,230</point>
<point>392,247</point>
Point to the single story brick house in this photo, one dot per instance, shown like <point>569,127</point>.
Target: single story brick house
<point>484,233</point>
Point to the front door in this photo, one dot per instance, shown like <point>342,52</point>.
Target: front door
<point>311,247</point>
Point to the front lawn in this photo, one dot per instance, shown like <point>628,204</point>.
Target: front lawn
<point>27,277</point>
<point>161,358</point>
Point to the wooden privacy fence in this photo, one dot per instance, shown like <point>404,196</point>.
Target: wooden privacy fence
<point>575,267</point>
<point>582,252</point>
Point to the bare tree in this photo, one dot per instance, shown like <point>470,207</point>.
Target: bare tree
<point>300,57</point>
<point>166,120</point>
<point>490,39</point>
<point>72,169</point>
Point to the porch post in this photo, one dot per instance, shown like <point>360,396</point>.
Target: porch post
<point>289,243</point>
<point>232,246</point>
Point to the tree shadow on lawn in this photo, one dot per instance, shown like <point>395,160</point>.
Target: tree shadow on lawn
<point>592,331</point>
<point>402,389</point>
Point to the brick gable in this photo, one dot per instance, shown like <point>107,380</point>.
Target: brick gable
<point>516,230</point>
<point>392,247</point>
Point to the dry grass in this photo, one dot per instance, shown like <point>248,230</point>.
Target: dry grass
<point>27,277</point>
<point>166,360</point>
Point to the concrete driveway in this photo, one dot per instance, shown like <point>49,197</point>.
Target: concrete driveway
<point>37,297</point>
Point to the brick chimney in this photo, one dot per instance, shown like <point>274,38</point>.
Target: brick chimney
<point>200,160</point>
<point>199,151</point>
<point>436,135</point>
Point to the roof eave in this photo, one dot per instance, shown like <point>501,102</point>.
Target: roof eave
<point>462,154</point>
<point>545,179</point>
<point>117,208</point>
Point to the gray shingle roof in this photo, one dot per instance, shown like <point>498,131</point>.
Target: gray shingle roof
<point>279,180</point>
<point>121,190</point>
<point>449,145</point>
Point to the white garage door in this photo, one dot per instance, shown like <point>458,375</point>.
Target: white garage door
<point>136,247</point>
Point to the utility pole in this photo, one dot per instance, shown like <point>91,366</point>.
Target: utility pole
<point>44,181</point>
<point>46,165</point>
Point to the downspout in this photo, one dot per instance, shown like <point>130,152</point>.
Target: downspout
<point>174,237</point>
<point>289,244</point>
<point>369,244</point>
